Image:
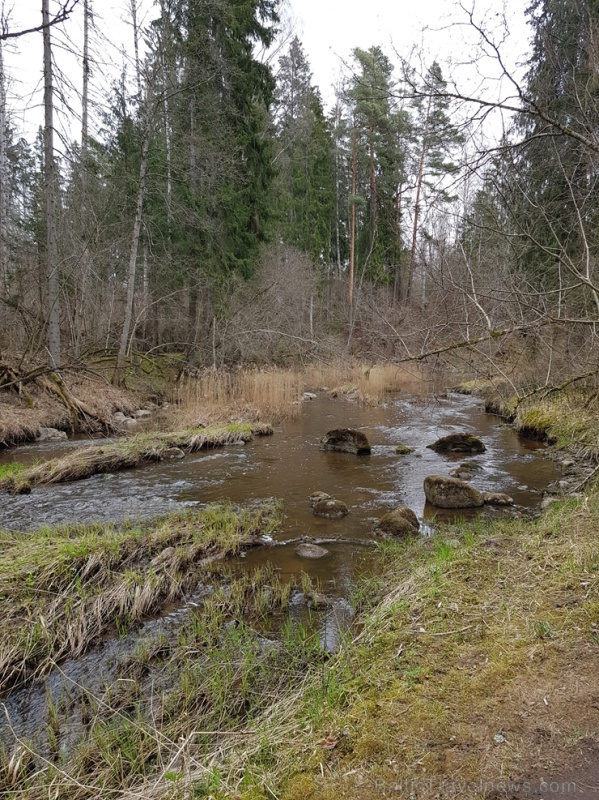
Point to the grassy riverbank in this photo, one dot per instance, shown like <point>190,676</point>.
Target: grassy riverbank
<point>473,667</point>
<point>176,699</point>
<point>476,666</point>
<point>62,588</point>
<point>126,453</point>
<point>569,419</point>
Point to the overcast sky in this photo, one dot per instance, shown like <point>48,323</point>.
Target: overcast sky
<point>328,29</point>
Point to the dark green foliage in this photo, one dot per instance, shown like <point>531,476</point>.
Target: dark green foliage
<point>557,198</point>
<point>380,136</point>
<point>305,185</point>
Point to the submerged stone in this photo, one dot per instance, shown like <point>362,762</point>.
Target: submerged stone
<point>315,497</point>
<point>466,471</point>
<point>403,450</point>
<point>444,492</point>
<point>330,509</point>
<point>346,440</point>
<point>458,443</point>
<point>307,550</point>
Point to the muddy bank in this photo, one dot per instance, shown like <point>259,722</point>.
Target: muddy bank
<point>26,407</point>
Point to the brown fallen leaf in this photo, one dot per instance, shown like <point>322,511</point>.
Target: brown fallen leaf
<point>329,742</point>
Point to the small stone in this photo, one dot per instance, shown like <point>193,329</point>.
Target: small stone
<point>307,550</point>
<point>173,452</point>
<point>498,499</point>
<point>458,443</point>
<point>400,522</point>
<point>141,413</point>
<point>403,450</point>
<point>567,463</point>
<point>315,497</point>
<point>51,435</point>
<point>309,396</point>
<point>330,509</point>
<point>444,492</point>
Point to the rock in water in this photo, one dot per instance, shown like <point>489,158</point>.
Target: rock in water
<point>498,499</point>
<point>444,492</point>
<point>315,497</point>
<point>403,450</point>
<point>346,440</point>
<point>173,452</point>
<point>51,435</point>
<point>307,550</point>
<point>330,509</point>
<point>458,443</point>
<point>400,522</point>
<point>466,471</point>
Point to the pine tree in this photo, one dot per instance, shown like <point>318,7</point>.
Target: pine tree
<point>305,183</point>
<point>436,138</point>
<point>558,198</point>
<point>379,150</point>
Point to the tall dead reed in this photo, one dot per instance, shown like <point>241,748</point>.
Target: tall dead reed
<point>210,394</point>
<point>273,393</point>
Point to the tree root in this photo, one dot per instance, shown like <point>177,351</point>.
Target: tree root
<point>83,418</point>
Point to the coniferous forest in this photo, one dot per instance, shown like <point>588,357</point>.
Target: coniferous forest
<point>209,205</point>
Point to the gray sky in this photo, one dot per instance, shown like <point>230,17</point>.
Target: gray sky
<point>328,29</point>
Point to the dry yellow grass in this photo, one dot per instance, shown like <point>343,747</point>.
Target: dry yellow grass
<point>231,395</point>
<point>370,383</point>
<point>125,454</point>
<point>276,393</point>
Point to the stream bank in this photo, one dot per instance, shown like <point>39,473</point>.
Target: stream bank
<point>134,723</point>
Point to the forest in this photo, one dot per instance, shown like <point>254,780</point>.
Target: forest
<point>218,212</point>
<point>299,407</point>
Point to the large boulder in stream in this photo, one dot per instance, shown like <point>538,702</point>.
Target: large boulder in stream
<point>346,440</point>
<point>400,522</point>
<point>444,492</point>
<point>458,443</point>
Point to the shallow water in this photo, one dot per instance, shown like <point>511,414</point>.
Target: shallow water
<point>289,466</point>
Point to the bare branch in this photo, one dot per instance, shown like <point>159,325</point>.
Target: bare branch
<point>66,9</point>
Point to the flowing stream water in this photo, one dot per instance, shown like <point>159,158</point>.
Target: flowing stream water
<point>289,466</point>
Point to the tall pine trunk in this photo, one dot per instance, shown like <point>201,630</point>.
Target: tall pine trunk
<point>82,304</point>
<point>4,268</point>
